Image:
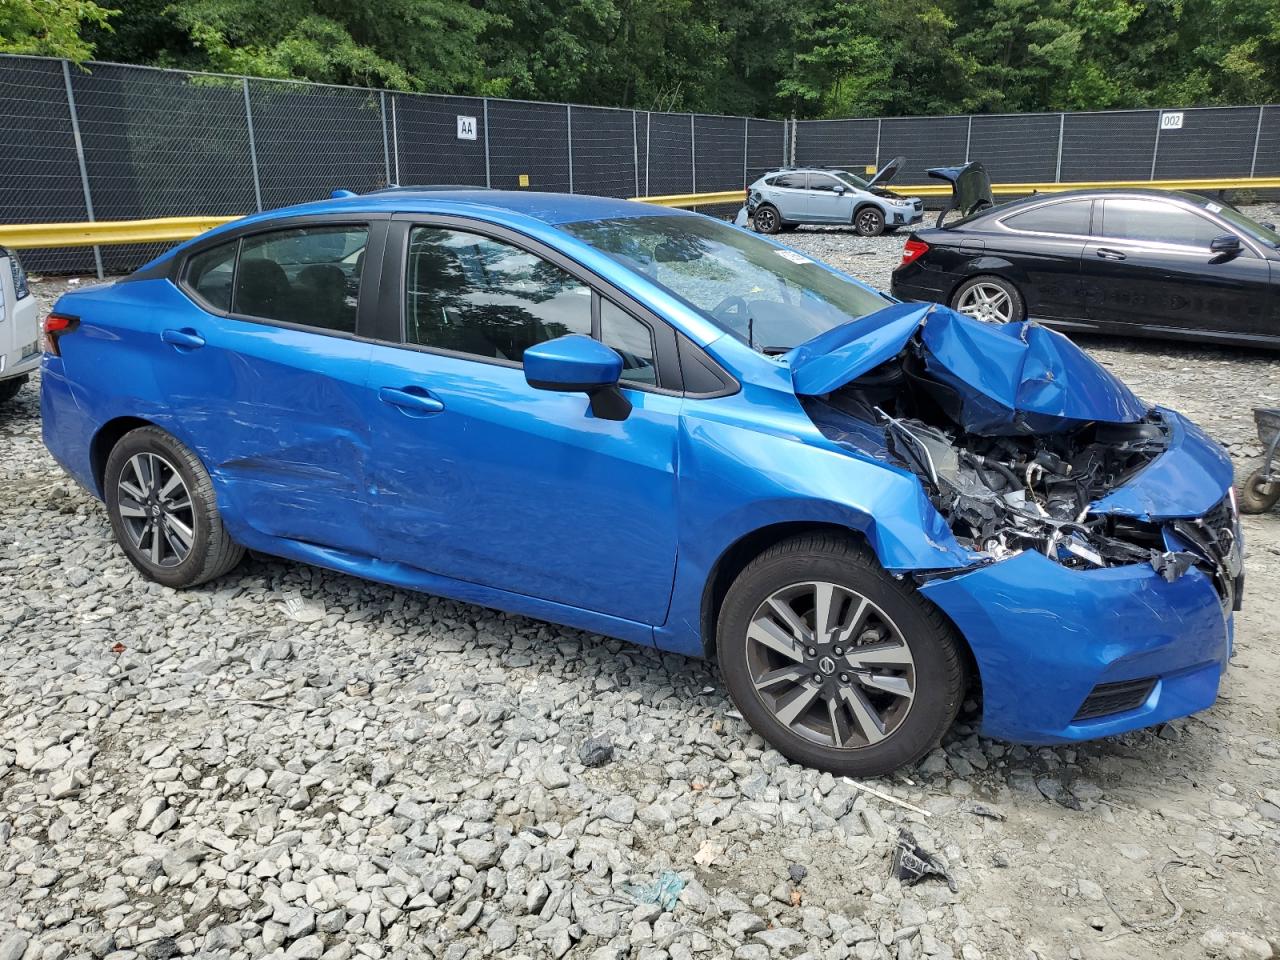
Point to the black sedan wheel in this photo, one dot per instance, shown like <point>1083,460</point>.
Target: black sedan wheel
<point>869,222</point>
<point>989,299</point>
<point>766,220</point>
<point>164,512</point>
<point>835,663</point>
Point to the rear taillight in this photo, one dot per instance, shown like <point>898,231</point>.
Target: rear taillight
<point>913,251</point>
<point>57,325</point>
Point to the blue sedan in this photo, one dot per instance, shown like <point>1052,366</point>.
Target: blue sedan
<point>656,426</point>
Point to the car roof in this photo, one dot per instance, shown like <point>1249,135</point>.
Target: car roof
<point>551,209</point>
<point>1152,192</point>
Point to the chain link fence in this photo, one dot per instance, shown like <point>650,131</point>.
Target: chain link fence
<point>1191,143</point>
<point>113,142</point>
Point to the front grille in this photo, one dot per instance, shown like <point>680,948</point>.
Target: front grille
<point>1108,698</point>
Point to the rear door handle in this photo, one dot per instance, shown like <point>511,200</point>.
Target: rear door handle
<point>187,338</point>
<point>410,399</point>
<point>1106,253</point>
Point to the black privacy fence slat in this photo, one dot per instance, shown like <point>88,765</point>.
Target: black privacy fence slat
<point>604,152</point>
<point>39,173</point>
<point>112,142</point>
<point>425,146</point>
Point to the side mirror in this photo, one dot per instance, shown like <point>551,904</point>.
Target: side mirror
<point>1224,247</point>
<point>577,364</point>
<point>840,190</point>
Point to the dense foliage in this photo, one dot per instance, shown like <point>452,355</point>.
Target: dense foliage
<point>762,57</point>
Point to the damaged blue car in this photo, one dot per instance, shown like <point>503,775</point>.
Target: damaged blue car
<point>653,425</point>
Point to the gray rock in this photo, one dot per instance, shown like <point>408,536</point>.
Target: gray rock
<point>596,752</point>
<point>13,946</point>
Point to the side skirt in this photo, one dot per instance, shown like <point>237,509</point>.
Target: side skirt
<point>412,578</point>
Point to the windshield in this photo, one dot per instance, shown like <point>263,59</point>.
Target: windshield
<point>849,178</point>
<point>1246,224</point>
<point>769,298</point>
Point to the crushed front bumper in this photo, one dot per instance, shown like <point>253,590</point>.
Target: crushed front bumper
<point>1046,636</point>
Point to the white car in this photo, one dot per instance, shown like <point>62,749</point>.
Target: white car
<point>19,330</point>
<point>786,198</point>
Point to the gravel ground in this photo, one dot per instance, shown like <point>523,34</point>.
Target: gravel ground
<point>292,762</point>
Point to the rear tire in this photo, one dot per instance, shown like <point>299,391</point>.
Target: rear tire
<point>766,219</point>
<point>869,221</point>
<point>852,713</point>
<point>1255,495</point>
<point>990,299</point>
<point>164,512</point>
<point>9,388</point>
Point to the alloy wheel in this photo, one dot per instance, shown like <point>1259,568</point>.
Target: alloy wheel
<point>156,509</point>
<point>766,221</point>
<point>988,302</point>
<point>868,221</point>
<point>830,665</point>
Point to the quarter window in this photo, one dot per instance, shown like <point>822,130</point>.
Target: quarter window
<point>309,276</point>
<point>480,296</point>
<point>632,340</point>
<point>1156,221</point>
<point>1070,216</point>
<point>210,274</point>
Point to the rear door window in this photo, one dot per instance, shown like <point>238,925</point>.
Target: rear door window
<point>1156,221</point>
<point>1070,216</point>
<point>790,181</point>
<point>308,276</point>
<point>210,274</point>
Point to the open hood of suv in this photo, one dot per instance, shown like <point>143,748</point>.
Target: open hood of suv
<point>1015,378</point>
<point>886,173</point>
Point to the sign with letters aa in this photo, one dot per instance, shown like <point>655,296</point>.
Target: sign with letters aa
<point>466,128</point>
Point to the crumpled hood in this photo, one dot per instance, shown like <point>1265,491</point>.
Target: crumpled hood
<point>1015,378</point>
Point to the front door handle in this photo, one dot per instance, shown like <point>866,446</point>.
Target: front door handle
<point>1106,253</point>
<point>186,339</point>
<point>410,399</point>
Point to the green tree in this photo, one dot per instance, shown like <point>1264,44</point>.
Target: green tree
<point>53,28</point>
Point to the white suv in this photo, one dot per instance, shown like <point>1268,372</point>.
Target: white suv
<point>784,199</point>
<point>19,331</point>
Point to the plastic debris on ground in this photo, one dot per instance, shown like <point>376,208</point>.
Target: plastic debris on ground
<point>912,863</point>
<point>664,891</point>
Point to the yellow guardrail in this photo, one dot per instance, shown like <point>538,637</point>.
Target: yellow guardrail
<point>102,232</point>
<point>22,236</point>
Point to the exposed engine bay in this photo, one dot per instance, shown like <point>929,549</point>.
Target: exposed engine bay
<point>1008,481</point>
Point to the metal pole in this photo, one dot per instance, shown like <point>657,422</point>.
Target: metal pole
<point>795,130</point>
<point>568,114</point>
<point>386,145</point>
<point>879,124</point>
<point>1057,170</point>
<point>84,171</point>
<point>648,147</point>
<point>746,140</point>
<point>395,138</point>
<point>784,141</point>
<point>253,145</point>
<point>488,176</point>
<point>635,150</point>
<point>968,138</point>
<point>1155,150</point>
<point>1257,136</point>
<point>693,154</point>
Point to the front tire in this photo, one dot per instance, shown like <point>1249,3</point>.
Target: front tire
<point>869,222</point>
<point>164,512</point>
<point>835,663</point>
<point>766,219</point>
<point>990,299</point>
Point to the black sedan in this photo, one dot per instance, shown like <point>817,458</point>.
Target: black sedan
<point>1145,262</point>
